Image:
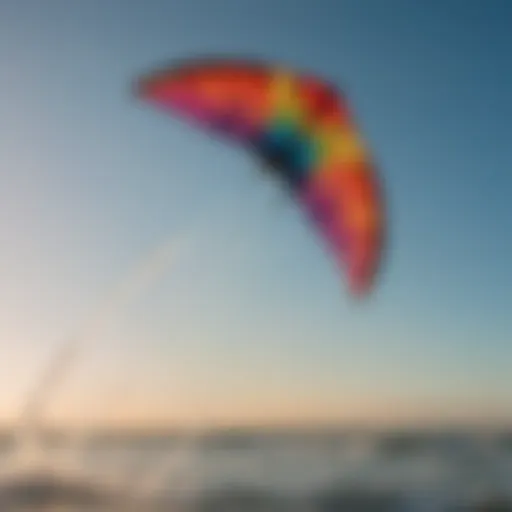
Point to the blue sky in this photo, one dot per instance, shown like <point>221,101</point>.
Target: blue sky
<point>254,324</point>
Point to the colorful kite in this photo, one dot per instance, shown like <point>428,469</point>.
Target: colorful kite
<point>302,128</point>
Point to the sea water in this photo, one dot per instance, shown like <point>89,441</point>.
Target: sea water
<point>265,473</point>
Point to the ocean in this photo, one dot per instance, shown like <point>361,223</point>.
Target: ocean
<point>261,472</point>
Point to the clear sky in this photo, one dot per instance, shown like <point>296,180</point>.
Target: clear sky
<point>254,323</point>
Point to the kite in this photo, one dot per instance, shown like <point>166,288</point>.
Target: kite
<point>301,126</point>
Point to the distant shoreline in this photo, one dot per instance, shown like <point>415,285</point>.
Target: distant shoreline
<point>241,434</point>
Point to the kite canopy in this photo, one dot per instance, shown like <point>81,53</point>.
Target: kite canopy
<point>302,127</point>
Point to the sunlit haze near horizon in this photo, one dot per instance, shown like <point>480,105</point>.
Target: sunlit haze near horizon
<point>252,323</point>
